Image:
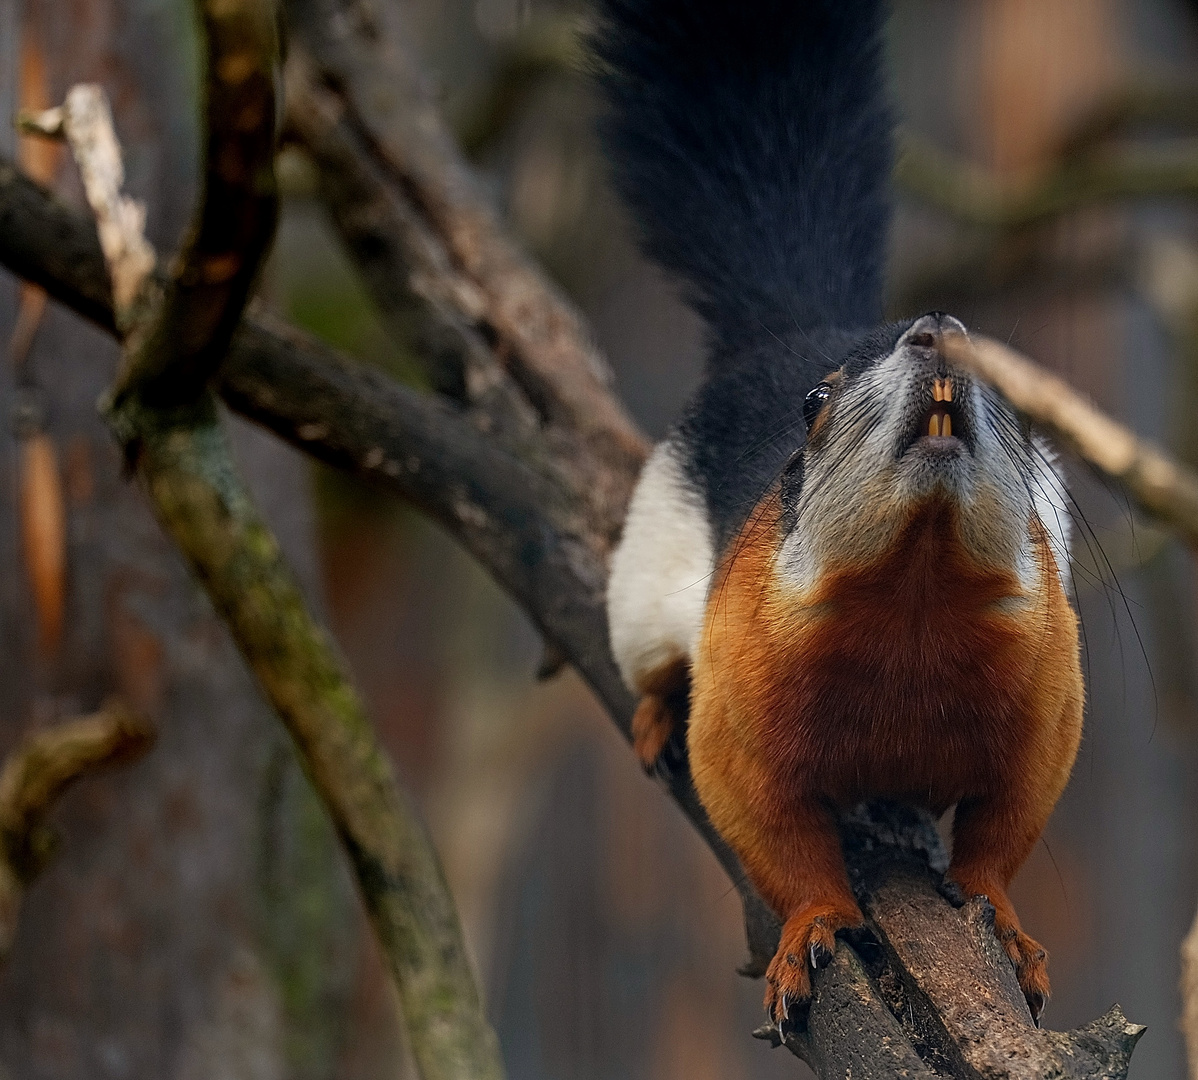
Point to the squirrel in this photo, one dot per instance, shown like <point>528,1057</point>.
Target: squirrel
<point>846,566</point>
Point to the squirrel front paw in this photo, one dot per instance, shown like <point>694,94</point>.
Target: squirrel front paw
<point>808,943</point>
<point>1028,956</point>
<point>1031,966</point>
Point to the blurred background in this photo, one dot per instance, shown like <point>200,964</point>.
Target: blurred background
<point>199,921</point>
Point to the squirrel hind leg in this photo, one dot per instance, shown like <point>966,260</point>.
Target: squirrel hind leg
<point>807,944</point>
<point>661,714</point>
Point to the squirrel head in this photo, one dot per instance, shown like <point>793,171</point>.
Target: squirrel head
<point>896,428</point>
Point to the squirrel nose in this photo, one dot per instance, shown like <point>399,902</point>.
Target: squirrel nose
<point>927,330</point>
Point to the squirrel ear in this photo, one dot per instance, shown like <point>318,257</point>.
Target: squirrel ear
<point>791,487</point>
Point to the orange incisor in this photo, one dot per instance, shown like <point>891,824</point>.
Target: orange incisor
<point>941,422</point>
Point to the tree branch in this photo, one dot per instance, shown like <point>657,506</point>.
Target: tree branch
<point>171,353</point>
<point>46,242</point>
<point>1159,485</point>
<point>187,470</point>
<point>33,778</point>
<point>174,335</point>
<point>975,196</point>
<point>380,123</point>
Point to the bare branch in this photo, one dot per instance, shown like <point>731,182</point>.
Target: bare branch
<point>975,196</point>
<point>33,778</point>
<point>171,352</point>
<point>426,303</point>
<point>535,333</point>
<point>85,121</point>
<point>1160,485</point>
<point>50,244</point>
<point>1145,100</point>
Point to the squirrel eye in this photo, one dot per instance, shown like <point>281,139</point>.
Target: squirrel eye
<point>814,401</point>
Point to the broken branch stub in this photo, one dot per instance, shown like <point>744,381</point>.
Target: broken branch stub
<point>85,121</point>
<point>34,776</point>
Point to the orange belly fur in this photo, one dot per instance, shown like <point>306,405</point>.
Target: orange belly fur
<point>905,678</point>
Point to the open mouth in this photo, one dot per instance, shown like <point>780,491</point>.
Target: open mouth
<point>943,425</point>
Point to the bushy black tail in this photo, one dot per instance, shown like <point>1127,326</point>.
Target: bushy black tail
<point>753,141</point>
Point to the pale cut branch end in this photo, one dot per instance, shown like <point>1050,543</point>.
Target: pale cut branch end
<point>85,121</point>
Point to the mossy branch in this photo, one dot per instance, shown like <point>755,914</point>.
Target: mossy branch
<point>33,778</point>
<point>175,333</point>
<point>185,463</point>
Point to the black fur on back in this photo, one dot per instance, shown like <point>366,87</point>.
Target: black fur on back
<point>752,140</point>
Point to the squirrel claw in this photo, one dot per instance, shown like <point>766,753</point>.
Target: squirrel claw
<point>1035,1003</point>
<point>808,944</point>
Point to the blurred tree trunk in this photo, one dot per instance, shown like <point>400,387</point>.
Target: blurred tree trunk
<point>198,921</point>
